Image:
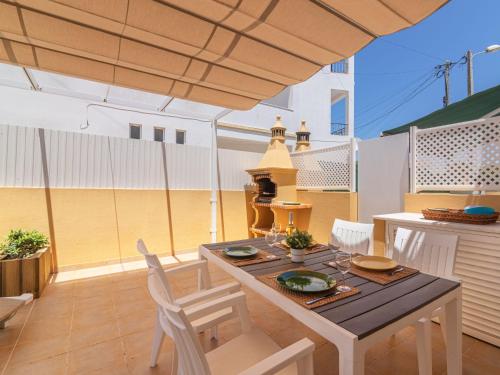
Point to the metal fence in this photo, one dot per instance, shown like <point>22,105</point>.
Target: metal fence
<point>338,128</point>
<point>32,157</point>
<point>457,157</point>
<point>331,168</point>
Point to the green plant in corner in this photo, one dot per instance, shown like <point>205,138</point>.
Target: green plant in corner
<point>299,240</point>
<point>22,244</point>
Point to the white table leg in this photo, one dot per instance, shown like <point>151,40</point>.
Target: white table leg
<point>424,346</point>
<point>453,333</point>
<point>351,360</point>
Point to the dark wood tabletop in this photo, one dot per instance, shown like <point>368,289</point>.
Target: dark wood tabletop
<point>364,313</point>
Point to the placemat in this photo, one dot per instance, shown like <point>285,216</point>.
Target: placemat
<point>379,277</point>
<point>302,298</point>
<point>311,250</point>
<point>261,257</point>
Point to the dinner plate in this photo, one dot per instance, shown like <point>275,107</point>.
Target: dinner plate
<point>374,262</point>
<point>241,251</point>
<point>306,281</point>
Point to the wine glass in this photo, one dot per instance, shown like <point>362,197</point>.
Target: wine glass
<point>343,262</point>
<point>271,237</point>
<point>276,228</point>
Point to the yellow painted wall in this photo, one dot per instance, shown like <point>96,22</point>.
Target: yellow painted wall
<point>96,226</point>
<point>418,202</point>
<point>326,207</point>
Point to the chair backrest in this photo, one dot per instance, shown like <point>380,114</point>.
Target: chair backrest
<point>154,263</point>
<point>352,237</point>
<point>430,252</point>
<point>192,359</point>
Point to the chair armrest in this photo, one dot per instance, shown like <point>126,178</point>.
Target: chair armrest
<point>208,294</point>
<point>232,300</point>
<point>300,352</point>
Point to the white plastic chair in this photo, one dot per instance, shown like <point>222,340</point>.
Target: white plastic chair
<point>352,237</point>
<point>251,353</point>
<point>201,324</point>
<point>432,253</point>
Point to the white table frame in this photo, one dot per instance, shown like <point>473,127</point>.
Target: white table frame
<point>351,349</point>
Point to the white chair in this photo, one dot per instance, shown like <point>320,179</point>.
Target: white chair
<point>432,253</point>
<point>201,324</point>
<point>352,237</point>
<point>251,353</point>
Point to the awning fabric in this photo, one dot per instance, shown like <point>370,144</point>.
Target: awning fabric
<point>230,53</point>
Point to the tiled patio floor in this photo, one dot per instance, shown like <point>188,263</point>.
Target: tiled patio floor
<point>104,325</point>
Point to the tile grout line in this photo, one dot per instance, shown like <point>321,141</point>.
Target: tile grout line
<point>73,308</point>
<point>4,370</point>
<point>120,335</point>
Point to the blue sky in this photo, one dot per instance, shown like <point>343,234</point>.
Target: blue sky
<point>391,67</point>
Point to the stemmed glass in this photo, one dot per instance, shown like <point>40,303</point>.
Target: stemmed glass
<point>343,262</point>
<point>271,237</point>
<point>276,227</point>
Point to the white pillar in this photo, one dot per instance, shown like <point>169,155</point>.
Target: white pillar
<point>213,182</point>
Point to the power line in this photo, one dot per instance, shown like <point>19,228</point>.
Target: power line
<point>440,59</point>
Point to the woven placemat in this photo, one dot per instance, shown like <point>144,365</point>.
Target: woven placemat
<point>302,298</point>
<point>261,257</point>
<point>379,277</point>
<point>310,250</point>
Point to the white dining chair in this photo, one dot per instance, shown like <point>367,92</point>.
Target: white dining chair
<point>201,324</point>
<point>251,353</point>
<point>434,254</point>
<point>352,237</point>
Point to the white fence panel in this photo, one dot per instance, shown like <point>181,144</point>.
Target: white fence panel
<point>75,160</point>
<point>331,168</point>
<point>458,157</point>
<point>383,175</point>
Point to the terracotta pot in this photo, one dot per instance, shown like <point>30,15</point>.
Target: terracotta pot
<point>298,255</point>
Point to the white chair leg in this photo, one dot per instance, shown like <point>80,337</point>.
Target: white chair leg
<point>158,338</point>
<point>214,333</point>
<point>424,346</point>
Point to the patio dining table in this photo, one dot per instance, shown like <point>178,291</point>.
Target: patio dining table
<point>355,323</point>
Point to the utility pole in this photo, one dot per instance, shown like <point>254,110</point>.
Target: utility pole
<point>444,70</point>
<point>470,77</point>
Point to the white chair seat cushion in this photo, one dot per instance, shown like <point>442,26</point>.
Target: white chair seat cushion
<point>243,352</point>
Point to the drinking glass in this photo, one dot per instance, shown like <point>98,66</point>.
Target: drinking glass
<point>271,237</point>
<point>343,262</point>
<point>276,227</point>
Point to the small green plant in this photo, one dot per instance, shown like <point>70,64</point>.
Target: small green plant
<point>299,240</point>
<point>22,243</point>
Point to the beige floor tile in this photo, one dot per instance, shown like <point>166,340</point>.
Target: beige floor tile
<point>139,364</point>
<point>136,322</point>
<point>484,353</point>
<point>92,316</point>
<point>478,367</point>
<point>51,366</point>
<point>5,352</point>
<point>109,354</point>
<point>92,335</point>
<point>33,351</point>
<point>56,309</point>
<point>45,329</point>
<point>139,343</point>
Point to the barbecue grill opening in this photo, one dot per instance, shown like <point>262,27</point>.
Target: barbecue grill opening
<point>267,190</point>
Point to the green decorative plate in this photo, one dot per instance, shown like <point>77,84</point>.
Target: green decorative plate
<point>306,281</point>
<point>240,251</point>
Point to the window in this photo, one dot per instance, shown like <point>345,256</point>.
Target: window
<point>135,131</point>
<point>180,137</point>
<point>159,134</point>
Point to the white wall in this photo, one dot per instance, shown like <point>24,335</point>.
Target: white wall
<point>383,175</point>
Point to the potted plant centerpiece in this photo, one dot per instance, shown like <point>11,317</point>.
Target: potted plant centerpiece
<point>298,242</point>
<point>25,263</point>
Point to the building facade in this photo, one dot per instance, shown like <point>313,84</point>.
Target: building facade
<point>44,100</point>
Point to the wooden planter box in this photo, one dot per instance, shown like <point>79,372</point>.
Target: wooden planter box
<point>29,275</point>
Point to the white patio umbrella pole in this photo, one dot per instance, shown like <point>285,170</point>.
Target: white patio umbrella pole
<point>213,176</point>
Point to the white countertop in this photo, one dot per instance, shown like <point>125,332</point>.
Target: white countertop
<point>418,218</point>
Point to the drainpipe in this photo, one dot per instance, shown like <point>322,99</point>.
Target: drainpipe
<point>213,176</point>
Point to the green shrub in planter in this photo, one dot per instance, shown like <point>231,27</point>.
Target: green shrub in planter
<point>299,240</point>
<point>21,244</point>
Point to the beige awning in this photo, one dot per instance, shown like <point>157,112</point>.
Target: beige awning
<point>230,53</point>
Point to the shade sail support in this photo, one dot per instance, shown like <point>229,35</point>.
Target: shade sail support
<point>214,165</point>
<point>31,79</point>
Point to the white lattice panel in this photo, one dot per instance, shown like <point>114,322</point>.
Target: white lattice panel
<point>458,157</point>
<point>324,169</point>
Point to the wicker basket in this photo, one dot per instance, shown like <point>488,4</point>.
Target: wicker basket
<point>458,216</point>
